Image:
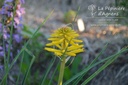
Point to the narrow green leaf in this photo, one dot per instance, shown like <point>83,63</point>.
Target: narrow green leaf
<point>20,68</point>
<point>93,65</point>
<point>28,70</point>
<point>54,73</point>
<point>51,64</point>
<point>79,78</point>
<point>26,34</point>
<point>101,68</point>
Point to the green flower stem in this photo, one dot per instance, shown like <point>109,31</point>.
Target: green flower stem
<point>61,71</point>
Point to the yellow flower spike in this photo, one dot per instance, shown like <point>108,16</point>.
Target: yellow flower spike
<point>64,39</point>
<point>65,43</point>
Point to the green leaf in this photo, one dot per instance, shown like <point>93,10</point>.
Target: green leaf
<point>46,74</point>
<point>67,73</point>
<point>57,67</point>
<point>28,70</point>
<point>107,63</point>
<point>93,65</point>
<point>94,61</point>
<point>75,65</point>
<point>26,35</point>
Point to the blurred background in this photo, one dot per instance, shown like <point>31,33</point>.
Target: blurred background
<point>94,37</point>
<point>94,30</point>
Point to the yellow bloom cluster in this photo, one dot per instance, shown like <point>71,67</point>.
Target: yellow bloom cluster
<point>64,42</point>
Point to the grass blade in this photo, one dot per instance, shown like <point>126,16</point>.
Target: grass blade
<point>51,64</point>
<point>108,62</point>
<point>20,69</point>
<point>93,65</point>
<point>54,74</point>
<point>28,70</point>
<point>78,79</point>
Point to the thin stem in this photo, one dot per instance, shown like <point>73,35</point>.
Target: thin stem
<point>53,74</point>
<point>11,36</point>
<point>21,63</point>
<point>61,71</point>
<point>28,70</point>
<point>46,74</point>
<point>4,47</point>
<point>5,63</point>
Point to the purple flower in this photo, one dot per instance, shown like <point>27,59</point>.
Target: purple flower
<point>17,38</point>
<point>22,10</point>
<point>7,12</point>
<point>7,7</point>
<point>18,13</point>
<point>1,53</point>
<point>18,6</point>
<point>0,27</point>
<point>1,48</point>
<point>22,1</point>
<point>1,67</point>
<point>3,11</point>
<point>8,1</point>
<point>16,19</point>
<point>6,36</point>
<point>18,27</point>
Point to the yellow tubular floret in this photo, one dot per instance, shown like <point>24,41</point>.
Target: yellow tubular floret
<point>77,51</point>
<point>51,49</point>
<point>70,54</point>
<point>74,47</point>
<point>58,53</point>
<point>55,42</point>
<point>59,46</point>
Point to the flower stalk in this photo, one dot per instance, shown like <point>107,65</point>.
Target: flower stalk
<point>62,67</point>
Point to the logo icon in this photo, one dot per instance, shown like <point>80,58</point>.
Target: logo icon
<point>92,8</point>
